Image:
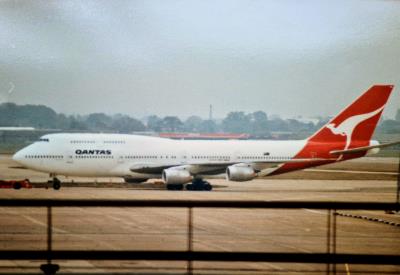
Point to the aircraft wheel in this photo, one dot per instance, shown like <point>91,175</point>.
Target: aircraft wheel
<point>200,185</point>
<point>17,185</point>
<point>207,186</point>
<point>56,184</point>
<point>175,186</point>
<point>189,187</point>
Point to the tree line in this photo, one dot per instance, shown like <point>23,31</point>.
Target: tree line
<point>258,124</point>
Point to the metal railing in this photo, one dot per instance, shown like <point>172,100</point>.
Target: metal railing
<point>330,257</point>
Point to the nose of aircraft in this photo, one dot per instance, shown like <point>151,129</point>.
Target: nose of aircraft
<point>18,156</point>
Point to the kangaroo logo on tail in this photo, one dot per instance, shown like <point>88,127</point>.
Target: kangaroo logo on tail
<point>347,127</point>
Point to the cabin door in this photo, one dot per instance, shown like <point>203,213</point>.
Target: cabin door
<point>69,157</point>
<point>183,157</point>
<point>120,159</point>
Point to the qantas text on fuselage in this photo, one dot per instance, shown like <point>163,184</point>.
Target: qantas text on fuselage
<point>93,152</point>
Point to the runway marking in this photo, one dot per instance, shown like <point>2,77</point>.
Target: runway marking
<point>248,238</point>
<point>315,211</point>
<point>310,197</point>
<point>294,248</point>
<point>325,213</point>
<point>55,229</point>
<point>347,269</point>
<point>352,172</point>
<point>271,265</point>
<point>35,221</point>
<point>124,222</point>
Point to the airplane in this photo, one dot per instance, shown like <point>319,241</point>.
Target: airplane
<point>189,162</point>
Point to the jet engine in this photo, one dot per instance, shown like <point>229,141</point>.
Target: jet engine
<point>176,176</point>
<point>240,172</point>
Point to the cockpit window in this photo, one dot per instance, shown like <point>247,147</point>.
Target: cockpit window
<point>43,140</point>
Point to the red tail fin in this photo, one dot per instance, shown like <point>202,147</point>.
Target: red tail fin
<point>358,121</point>
<point>352,128</point>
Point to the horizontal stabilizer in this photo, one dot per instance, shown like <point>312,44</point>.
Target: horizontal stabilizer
<point>363,149</point>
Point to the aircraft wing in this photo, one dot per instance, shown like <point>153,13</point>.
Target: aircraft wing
<point>149,168</point>
<point>152,168</point>
<point>212,168</point>
<point>363,149</point>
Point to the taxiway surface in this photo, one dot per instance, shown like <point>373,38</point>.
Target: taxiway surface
<point>302,230</point>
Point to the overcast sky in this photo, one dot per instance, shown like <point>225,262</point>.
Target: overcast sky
<point>290,58</point>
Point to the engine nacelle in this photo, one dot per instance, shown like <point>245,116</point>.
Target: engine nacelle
<point>176,176</point>
<point>240,172</point>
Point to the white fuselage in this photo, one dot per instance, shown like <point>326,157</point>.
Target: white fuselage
<point>104,155</point>
<point>346,136</point>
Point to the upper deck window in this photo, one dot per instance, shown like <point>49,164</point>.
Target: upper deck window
<point>43,139</point>
<point>83,141</point>
<point>115,141</point>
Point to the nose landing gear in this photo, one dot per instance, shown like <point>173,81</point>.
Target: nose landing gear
<point>55,182</point>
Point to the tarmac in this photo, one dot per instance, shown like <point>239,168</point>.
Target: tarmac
<point>264,230</point>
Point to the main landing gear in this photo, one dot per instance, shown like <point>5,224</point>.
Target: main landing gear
<point>175,186</point>
<point>196,185</point>
<point>56,183</point>
<point>199,185</point>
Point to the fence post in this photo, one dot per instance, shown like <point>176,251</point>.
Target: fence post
<point>49,268</point>
<point>190,240</point>
<point>398,188</point>
<point>334,239</point>
<point>49,233</point>
<point>328,240</point>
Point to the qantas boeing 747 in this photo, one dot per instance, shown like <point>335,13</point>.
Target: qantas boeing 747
<point>188,162</point>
